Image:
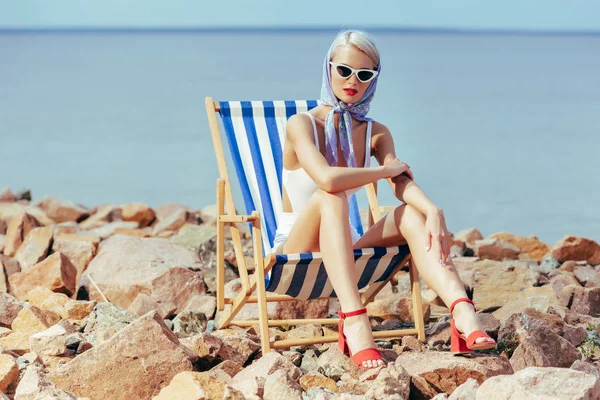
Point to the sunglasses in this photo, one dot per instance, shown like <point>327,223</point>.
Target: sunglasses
<point>363,75</point>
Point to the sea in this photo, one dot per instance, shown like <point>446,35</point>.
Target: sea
<point>501,130</point>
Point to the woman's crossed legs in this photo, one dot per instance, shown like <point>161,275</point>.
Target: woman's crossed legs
<point>323,226</point>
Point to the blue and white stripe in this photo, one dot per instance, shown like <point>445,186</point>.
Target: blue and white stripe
<point>255,131</point>
<point>303,275</point>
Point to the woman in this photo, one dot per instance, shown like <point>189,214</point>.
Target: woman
<point>326,158</point>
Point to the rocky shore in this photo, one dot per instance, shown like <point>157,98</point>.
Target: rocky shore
<point>118,302</point>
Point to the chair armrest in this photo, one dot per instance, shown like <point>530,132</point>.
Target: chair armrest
<point>238,218</point>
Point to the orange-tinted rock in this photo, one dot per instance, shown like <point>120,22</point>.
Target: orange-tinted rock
<point>315,379</point>
<point>33,319</point>
<point>540,298</point>
<point>496,283</point>
<point>9,372</point>
<point>441,372</point>
<point>103,215</point>
<point>143,304</point>
<point>136,363</point>
<point>177,286</point>
<point>79,250</point>
<point>395,307</point>
<point>531,245</point>
<point>35,247</point>
<point>125,266</point>
<point>577,248</point>
<point>18,228</point>
<point>171,217</point>
<point>138,212</point>
<point>16,342</point>
<point>494,249</point>
<point>190,385</point>
<point>9,309</point>
<point>55,272</point>
<point>469,236</point>
<point>62,210</point>
<point>7,195</point>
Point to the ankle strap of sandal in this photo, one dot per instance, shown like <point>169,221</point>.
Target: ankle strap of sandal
<point>343,315</point>
<point>462,299</point>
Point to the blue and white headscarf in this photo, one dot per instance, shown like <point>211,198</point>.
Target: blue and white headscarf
<point>357,110</point>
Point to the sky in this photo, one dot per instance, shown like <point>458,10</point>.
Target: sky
<point>529,15</point>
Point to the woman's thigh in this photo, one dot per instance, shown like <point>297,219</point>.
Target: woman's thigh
<point>304,235</point>
<point>385,232</point>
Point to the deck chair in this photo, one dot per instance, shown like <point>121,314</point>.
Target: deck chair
<point>255,133</point>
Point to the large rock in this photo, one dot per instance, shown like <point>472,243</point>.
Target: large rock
<point>496,283</point>
<point>55,273</point>
<point>252,379</point>
<point>9,309</point>
<point>538,345</point>
<point>7,195</point>
<point>196,386</point>
<point>104,214</point>
<point>171,217</point>
<point>495,249</point>
<point>541,383</point>
<point>540,298</point>
<point>177,286</point>
<point>392,382</point>
<point>582,300</point>
<point>536,249</point>
<point>138,212</point>
<point>441,372</point>
<point>18,228</point>
<point>395,307</point>
<point>577,248</point>
<point>35,385</point>
<point>469,236</point>
<point>35,247</point>
<point>126,266</point>
<point>134,364</point>
<point>32,319</point>
<point>79,250</point>
<point>62,210</point>
<point>9,372</point>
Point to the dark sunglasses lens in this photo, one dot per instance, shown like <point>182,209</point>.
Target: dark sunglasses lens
<point>364,75</point>
<point>344,71</point>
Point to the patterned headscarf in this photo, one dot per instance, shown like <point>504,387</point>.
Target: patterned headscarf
<point>357,110</point>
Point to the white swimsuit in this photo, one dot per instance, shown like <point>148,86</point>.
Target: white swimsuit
<point>300,187</point>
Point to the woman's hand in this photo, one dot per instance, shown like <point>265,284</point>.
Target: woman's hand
<point>437,236</point>
<point>395,167</point>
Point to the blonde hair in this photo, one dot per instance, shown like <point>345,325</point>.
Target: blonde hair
<point>359,39</point>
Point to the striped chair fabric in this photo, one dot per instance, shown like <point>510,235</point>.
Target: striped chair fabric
<point>255,132</point>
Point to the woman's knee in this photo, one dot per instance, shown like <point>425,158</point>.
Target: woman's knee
<point>411,219</point>
<point>338,199</point>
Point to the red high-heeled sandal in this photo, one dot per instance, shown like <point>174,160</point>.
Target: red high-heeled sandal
<point>363,355</point>
<point>459,344</point>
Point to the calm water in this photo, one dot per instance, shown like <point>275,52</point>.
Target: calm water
<point>502,131</point>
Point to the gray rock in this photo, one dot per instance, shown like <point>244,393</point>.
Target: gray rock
<point>549,264</point>
<point>189,323</point>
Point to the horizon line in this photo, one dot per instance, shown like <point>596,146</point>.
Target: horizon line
<point>297,29</point>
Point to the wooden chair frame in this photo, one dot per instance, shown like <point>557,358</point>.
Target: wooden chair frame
<point>227,216</point>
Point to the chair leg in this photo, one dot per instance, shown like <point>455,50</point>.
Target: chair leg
<point>263,316</point>
<point>416,301</point>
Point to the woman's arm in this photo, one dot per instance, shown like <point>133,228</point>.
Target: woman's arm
<point>330,179</point>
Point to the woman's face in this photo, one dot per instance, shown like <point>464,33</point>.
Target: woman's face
<point>349,90</point>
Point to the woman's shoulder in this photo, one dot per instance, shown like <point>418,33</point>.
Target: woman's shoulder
<point>379,129</point>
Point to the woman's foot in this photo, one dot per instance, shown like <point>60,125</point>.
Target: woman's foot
<point>467,323</point>
<point>358,335</point>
